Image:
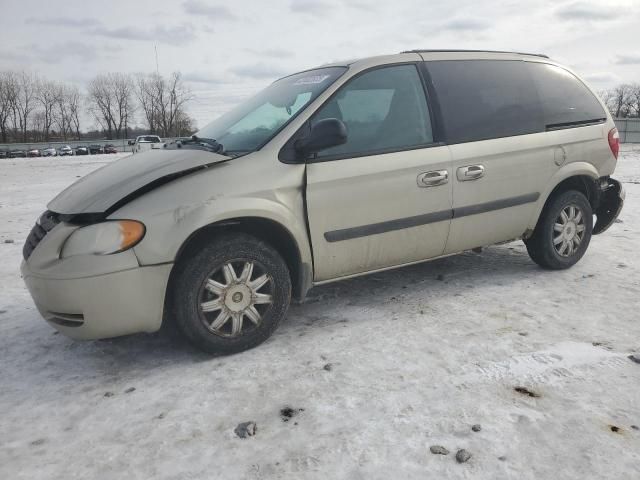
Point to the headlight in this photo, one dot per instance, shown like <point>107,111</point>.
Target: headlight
<point>103,238</point>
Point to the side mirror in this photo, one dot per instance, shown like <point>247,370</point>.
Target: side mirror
<point>326,133</point>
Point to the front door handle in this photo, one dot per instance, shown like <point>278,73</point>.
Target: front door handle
<point>433,179</point>
<point>470,172</point>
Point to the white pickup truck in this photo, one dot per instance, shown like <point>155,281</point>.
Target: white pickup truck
<point>143,143</point>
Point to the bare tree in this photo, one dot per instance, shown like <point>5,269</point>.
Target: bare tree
<point>8,92</point>
<point>67,114</point>
<point>62,113</point>
<point>23,103</point>
<point>122,87</point>
<point>634,100</point>
<point>185,124</point>
<point>48,94</point>
<point>172,102</point>
<point>618,100</point>
<point>110,100</point>
<point>146,88</point>
<point>38,122</point>
<point>100,103</point>
<point>74,100</point>
<point>163,101</point>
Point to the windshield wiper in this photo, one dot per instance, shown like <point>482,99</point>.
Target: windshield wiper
<point>208,142</point>
<point>196,142</point>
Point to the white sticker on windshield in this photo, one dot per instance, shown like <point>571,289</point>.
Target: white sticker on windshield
<point>313,79</point>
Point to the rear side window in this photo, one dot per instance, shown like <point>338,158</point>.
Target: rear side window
<point>384,110</point>
<point>483,99</point>
<point>564,99</point>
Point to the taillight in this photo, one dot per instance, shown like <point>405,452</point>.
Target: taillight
<point>614,141</point>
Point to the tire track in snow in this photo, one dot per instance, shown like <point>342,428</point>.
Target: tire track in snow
<point>560,362</point>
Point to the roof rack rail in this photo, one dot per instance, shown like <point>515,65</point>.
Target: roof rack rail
<point>423,50</point>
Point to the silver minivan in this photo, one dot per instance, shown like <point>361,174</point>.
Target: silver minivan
<point>338,171</point>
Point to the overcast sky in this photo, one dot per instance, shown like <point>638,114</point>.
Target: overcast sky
<point>229,50</point>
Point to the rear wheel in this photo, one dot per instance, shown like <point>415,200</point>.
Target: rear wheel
<point>231,295</point>
<point>563,232</point>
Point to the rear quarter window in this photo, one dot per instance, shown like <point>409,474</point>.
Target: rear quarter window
<point>484,99</point>
<point>564,99</point>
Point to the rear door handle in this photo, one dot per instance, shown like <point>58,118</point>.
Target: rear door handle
<point>433,179</point>
<point>470,172</point>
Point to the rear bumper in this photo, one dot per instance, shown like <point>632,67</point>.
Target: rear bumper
<point>610,204</point>
<point>101,306</point>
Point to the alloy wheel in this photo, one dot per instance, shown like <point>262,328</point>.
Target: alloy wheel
<point>568,230</point>
<point>230,304</point>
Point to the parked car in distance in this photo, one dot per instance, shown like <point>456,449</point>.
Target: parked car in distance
<point>49,152</point>
<point>95,149</point>
<point>81,150</point>
<point>146,142</point>
<point>17,153</point>
<point>65,150</point>
<point>4,153</point>
<point>109,148</point>
<point>327,174</point>
<point>34,152</point>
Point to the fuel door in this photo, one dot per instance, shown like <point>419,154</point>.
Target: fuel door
<point>560,156</point>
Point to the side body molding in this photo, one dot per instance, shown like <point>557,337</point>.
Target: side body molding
<point>408,222</point>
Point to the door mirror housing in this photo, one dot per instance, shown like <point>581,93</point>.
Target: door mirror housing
<point>326,133</point>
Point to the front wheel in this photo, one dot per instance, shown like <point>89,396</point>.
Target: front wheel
<point>231,295</point>
<point>563,232</point>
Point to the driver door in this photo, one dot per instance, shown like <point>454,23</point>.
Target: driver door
<point>384,198</point>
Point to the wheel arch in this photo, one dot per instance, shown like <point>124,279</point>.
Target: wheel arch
<point>578,176</point>
<point>268,230</point>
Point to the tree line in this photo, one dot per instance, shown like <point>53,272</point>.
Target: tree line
<point>36,109</point>
<point>623,101</point>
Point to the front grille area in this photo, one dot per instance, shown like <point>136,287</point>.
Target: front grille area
<point>44,225</point>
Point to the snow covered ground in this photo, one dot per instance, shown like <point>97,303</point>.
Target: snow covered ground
<point>383,367</point>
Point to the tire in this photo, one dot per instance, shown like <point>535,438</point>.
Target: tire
<point>546,246</point>
<point>205,290</point>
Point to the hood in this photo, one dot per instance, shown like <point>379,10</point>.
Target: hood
<point>108,188</point>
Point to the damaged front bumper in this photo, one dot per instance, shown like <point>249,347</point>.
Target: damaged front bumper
<point>100,306</point>
<point>92,296</point>
<point>609,205</point>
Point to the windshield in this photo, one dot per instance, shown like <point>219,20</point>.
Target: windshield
<point>254,122</point>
